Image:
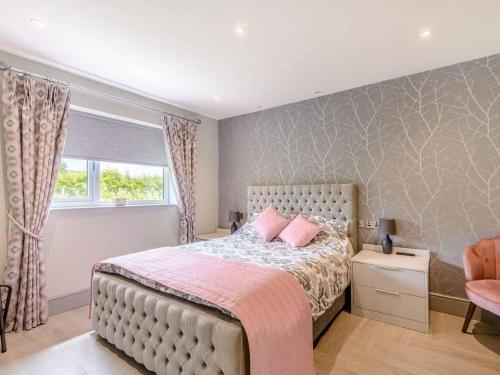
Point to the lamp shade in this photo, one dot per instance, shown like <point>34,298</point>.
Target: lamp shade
<point>234,216</point>
<point>387,226</point>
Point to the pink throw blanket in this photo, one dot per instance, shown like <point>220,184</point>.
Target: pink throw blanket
<point>270,303</point>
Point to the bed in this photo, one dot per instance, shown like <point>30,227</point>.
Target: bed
<point>213,341</point>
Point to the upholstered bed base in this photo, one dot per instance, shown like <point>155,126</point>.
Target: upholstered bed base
<point>169,335</point>
<point>166,334</point>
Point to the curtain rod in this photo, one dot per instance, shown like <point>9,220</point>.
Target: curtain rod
<point>93,92</point>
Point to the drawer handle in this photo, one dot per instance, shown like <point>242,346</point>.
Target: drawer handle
<point>387,292</point>
<point>389,268</point>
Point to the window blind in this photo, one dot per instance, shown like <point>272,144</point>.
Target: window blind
<point>99,138</point>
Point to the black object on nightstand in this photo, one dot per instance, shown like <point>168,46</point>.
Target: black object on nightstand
<point>234,217</point>
<point>405,254</point>
<point>387,227</point>
<point>3,314</point>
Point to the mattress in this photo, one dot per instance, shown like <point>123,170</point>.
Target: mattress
<point>323,268</point>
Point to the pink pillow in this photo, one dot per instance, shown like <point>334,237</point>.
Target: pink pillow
<point>269,223</point>
<point>299,232</point>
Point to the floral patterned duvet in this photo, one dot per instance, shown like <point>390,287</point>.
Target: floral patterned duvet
<point>323,267</point>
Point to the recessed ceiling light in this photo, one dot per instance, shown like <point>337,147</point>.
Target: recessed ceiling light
<point>424,34</point>
<point>37,21</point>
<point>240,30</point>
<point>216,98</point>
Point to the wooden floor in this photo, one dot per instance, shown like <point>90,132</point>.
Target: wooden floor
<point>352,345</point>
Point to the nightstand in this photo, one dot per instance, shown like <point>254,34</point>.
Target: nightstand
<point>392,288</point>
<point>219,232</point>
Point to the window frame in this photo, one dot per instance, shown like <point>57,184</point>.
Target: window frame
<point>93,191</point>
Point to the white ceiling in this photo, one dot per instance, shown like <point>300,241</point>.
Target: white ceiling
<point>186,51</point>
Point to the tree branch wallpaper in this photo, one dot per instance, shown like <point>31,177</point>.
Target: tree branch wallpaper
<point>424,149</point>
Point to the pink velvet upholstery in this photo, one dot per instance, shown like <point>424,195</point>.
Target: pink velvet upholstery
<point>482,274</point>
<point>299,232</point>
<point>269,223</point>
<point>485,294</point>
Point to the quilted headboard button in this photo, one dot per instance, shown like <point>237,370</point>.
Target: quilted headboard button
<point>314,199</point>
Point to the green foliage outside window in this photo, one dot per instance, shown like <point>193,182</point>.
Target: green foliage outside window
<point>113,184</point>
<point>70,184</point>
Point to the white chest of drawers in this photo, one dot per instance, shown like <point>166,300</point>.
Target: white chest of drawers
<point>392,288</point>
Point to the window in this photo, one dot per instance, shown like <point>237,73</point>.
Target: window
<point>109,160</point>
<point>131,182</point>
<point>73,180</point>
<point>83,183</point>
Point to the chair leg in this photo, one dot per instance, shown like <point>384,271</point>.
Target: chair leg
<point>3,316</point>
<point>3,343</point>
<point>468,317</point>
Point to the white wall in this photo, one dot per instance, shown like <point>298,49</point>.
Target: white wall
<point>77,238</point>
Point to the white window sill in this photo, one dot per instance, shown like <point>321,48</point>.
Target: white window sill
<point>64,208</point>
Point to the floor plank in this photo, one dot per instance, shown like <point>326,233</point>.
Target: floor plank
<point>352,345</point>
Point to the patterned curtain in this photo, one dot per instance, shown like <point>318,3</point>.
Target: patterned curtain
<point>180,142</point>
<point>35,125</point>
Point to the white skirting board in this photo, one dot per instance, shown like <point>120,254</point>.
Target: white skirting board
<point>69,302</point>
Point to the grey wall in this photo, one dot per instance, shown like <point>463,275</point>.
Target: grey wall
<point>424,149</point>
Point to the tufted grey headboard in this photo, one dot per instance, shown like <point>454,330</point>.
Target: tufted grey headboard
<point>333,201</point>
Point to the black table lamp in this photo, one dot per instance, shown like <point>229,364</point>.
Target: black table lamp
<point>234,217</point>
<point>387,227</point>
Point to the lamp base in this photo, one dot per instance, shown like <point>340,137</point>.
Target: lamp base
<point>234,228</point>
<point>387,245</point>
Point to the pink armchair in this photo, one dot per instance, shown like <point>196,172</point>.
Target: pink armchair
<point>482,277</point>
